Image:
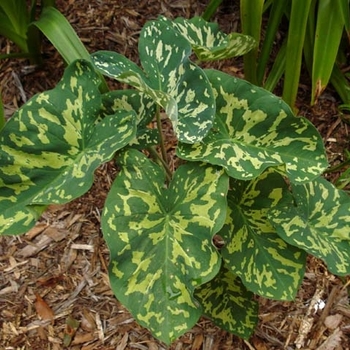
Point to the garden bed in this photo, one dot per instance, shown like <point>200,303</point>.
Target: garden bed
<point>57,272</point>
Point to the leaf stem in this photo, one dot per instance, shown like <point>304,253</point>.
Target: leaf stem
<point>158,158</point>
<point>162,145</point>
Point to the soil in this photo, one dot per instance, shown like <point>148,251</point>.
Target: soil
<point>57,273</point>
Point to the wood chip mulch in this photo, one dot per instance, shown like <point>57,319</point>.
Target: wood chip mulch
<point>54,288</point>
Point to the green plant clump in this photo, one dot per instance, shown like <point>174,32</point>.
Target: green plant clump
<point>318,35</point>
<point>250,177</point>
<point>16,17</point>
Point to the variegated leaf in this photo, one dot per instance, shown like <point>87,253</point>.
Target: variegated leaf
<point>170,78</point>
<point>319,223</point>
<point>229,304</point>
<point>130,100</point>
<point>267,265</point>
<point>209,43</point>
<point>122,69</point>
<point>50,148</point>
<point>160,240</point>
<point>254,130</point>
<point>145,109</point>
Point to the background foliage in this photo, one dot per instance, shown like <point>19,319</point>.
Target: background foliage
<point>313,25</point>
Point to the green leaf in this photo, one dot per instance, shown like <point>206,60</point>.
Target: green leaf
<point>341,83</point>
<point>329,15</point>
<point>209,43</point>
<point>229,304</point>
<point>211,9</point>
<point>251,12</point>
<point>295,42</point>
<point>50,148</point>
<point>161,240</point>
<point>14,21</point>
<point>345,14</point>
<point>277,68</point>
<point>267,265</point>
<point>274,20</point>
<point>254,130</point>
<point>170,78</point>
<point>130,100</point>
<point>145,109</point>
<point>58,30</point>
<point>55,26</point>
<point>319,223</point>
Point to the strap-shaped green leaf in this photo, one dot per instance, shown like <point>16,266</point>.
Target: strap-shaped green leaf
<point>50,148</point>
<point>229,304</point>
<point>55,26</point>
<point>14,16</point>
<point>161,240</point>
<point>255,130</point>
<point>267,265</point>
<point>251,12</point>
<point>298,17</point>
<point>319,224</point>
<point>329,15</point>
<point>170,78</point>
<point>209,43</point>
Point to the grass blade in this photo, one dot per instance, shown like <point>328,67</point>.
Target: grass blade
<point>14,22</point>
<point>211,9</point>
<point>310,36</point>
<point>251,16</point>
<point>64,38</point>
<point>295,42</point>
<point>277,69</point>
<point>345,12</point>
<point>16,12</point>
<point>326,44</point>
<point>341,84</point>
<point>61,34</point>
<point>275,17</point>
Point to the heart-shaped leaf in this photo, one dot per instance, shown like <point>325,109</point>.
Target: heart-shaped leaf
<point>267,265</point>
<point>319,223</point>
<point>161,240</point>
<point>170,78</point>
<point>254,130</point>
<point>50,148</point>
<point>229,304</point>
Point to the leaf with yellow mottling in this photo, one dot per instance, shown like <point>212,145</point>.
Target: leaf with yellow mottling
<point>266,264</point>
<point>229,304</point>
<point>160,240</point>
<point>142,105</point>
<point>169,78</point>
<point>50,148</point>
<point>254,130</point>
<point>319,223</point>
<point>209,43</point>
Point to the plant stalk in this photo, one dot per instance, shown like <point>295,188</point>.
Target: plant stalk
<point>158,158</point>
<point>162,144</point>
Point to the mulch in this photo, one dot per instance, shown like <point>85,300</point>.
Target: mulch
<point>54,288</point>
